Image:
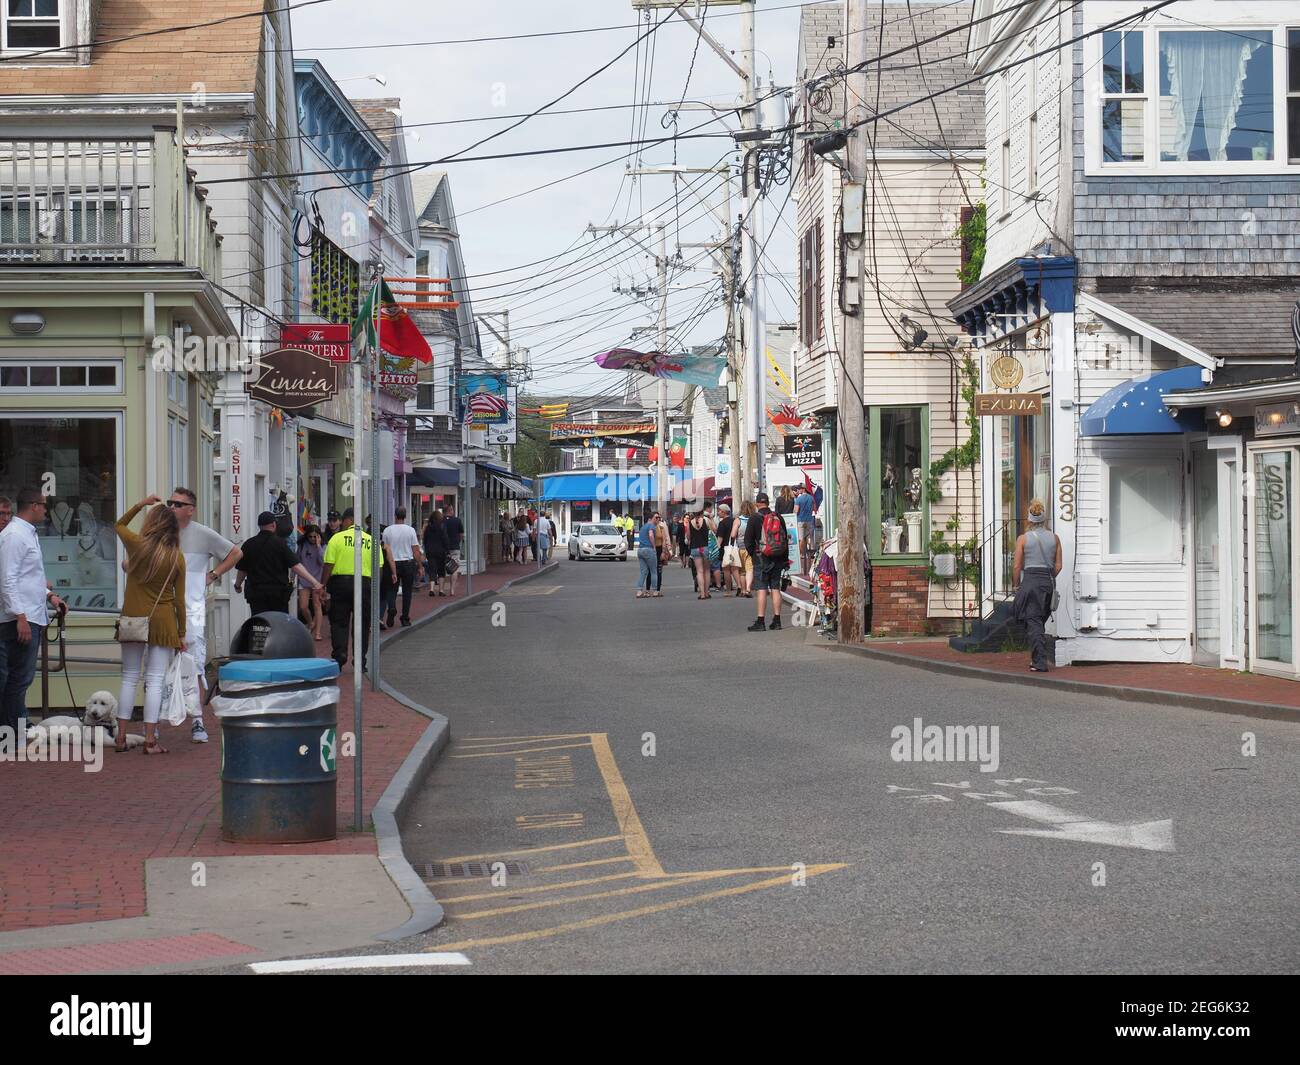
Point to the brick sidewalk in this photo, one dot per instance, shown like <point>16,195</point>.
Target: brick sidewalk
<point>75,843</point>
<point>1202,681</point>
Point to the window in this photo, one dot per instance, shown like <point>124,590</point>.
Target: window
<point>32,24</point>
<point>271,68</point>
<point>78,543</point>
<point>810,285</point>
<point>1143,508</point>
<point>1201,100</point>
<point>1123,99</point>
<point>1293,95</point>
<point>273,258</point>
<point>897,458</point>
<point>63,377</point>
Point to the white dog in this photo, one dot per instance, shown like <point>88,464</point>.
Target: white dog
<point>100,714</point>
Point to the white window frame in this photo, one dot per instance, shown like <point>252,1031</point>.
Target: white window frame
<point>1245,16</point>
<point>59,19</point>
<point>273,264</point>
<point>1173,465</point>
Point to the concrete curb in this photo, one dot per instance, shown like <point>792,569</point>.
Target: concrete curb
<point>426,912</point>
<point>1214,704</point>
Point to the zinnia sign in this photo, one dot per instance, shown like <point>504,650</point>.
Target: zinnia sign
<point>293,379</point>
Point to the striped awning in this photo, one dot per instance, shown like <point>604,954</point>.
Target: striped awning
<point>500,486</point>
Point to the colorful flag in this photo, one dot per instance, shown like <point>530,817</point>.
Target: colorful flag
<point>813,491</point>
<point>702,371</point>
<point>785,415</point>
<point>677,453</point>
<point>398,333</point>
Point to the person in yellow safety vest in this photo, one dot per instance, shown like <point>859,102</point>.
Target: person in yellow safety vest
<point>337,576</point>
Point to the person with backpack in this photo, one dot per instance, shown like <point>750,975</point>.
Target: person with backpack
<point>768,543</point>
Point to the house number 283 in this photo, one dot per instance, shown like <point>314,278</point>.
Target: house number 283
<point>1065,493</point>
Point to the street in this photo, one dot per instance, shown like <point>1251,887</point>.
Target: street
<point>658,790</point>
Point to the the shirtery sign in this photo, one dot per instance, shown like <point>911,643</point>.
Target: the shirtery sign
<point>330,342</point>
<point>292,379</point>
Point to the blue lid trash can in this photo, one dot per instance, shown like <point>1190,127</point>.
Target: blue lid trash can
<point>279,731</point>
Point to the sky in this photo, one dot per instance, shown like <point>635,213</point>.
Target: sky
<point>563,310</point>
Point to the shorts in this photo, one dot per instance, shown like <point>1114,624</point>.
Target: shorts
<point>196,646</point>
<point>806,532</point>
<point>747,560</point>
<point>700,552</point>
<point>768,573</point>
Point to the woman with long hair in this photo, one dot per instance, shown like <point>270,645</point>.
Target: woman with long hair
<point>699,528</point>
<point>747,511</point>
<point>155,588</point>
<point>311,552</point>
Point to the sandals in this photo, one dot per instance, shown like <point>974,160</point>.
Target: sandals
<point>154,747</point>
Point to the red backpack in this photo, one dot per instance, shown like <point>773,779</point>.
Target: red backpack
<point>774,538</point>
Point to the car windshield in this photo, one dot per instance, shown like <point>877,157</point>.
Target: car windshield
<point>598,530</point>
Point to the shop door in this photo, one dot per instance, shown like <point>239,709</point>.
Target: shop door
<point>1026,475</point>
<point>1273,586</point>
<point>1209,556</point>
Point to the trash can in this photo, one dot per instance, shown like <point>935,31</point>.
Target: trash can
<point>279,720</point>
<point>270,634</point>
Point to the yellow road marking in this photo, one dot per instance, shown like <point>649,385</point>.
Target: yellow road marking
<point>644,911</point>
<point>538,822</point>
<point>581,865</point>
<point>493,740</point>
<point>497,893</point>
<point>634,836</point>
<point>520,750</point>
<point>531,850</point>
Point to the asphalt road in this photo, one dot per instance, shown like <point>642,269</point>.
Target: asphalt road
<point>682,795</point>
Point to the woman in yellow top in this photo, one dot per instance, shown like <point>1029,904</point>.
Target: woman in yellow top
<point>155,587</point>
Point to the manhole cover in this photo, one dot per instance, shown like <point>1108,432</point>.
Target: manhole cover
<point>469,870</point>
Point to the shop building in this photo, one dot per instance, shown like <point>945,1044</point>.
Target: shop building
<point>922,500</point>
<point>1133,320</point>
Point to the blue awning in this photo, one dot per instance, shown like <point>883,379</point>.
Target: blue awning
<point>432,477</point>
<point>621,486</point>
<point>1136,407</point>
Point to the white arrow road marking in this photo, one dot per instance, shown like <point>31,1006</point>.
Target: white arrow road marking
<point>360,961</point>
<point>1144,835</point>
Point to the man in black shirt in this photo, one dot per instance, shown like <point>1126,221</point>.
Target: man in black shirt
<point>769,569</point>
<point>455,530</point>
<point>264,569</point>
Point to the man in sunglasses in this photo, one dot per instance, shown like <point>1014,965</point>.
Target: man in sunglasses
<point>201,546</point>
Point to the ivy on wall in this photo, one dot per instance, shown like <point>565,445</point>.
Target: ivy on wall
<point>972,232</point>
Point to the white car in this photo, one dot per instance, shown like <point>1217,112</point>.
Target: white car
<point>597,541</point>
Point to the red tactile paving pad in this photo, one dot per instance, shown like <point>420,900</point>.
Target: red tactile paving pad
<point>114,957</point>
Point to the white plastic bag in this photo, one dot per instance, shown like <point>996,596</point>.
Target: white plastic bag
<point>180,690</point>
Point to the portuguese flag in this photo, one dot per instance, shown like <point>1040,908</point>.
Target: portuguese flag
<point>398,334</point>
<point>677,453</point>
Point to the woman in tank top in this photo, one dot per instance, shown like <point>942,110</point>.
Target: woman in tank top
<point>1036,564</point>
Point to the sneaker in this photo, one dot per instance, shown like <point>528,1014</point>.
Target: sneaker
<point>759,626</point>
<point>198,734</point>
<point>776,624</point>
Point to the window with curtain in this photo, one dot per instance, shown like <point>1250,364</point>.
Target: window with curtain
<point>1216,95</point>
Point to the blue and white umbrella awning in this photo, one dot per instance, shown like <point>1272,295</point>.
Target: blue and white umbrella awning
<point>1137,407</point>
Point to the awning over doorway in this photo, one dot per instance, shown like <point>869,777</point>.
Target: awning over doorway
<point>1137,407</point>
<point>501,486</point>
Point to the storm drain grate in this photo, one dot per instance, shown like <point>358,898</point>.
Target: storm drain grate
<point>469,870</point>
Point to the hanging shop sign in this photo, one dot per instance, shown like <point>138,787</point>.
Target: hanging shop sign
<point>293,379</point>
<point>591,431</point>
<point>1277,419</point>
<point>803,449</point>
<point>1006,372</point>
<point>509,432</point>
<point>1008,404</point>
<point>399,380</point>
<point>483,399</point>
<point>330,342</point>
<point>236,487</point>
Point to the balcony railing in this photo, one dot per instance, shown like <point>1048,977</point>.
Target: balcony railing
<point>84,201</point>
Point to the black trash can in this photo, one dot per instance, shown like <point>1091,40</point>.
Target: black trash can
<point>279,721</point>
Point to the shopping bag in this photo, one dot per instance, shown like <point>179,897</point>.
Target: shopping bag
<point>180,691</point>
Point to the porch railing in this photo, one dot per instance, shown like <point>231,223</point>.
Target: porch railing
<point>120,200</point>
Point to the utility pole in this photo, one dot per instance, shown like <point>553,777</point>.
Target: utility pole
<point>851,442</point>
<point>661,422</point>
<point>751,214</point>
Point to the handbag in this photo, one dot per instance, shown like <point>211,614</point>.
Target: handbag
<point>128,629</point>
<point>731,556</point>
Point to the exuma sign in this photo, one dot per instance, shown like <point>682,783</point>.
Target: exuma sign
<point>293,379</point>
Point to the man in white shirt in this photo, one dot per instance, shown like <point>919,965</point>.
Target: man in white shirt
<point>201,546</point>
<point>404,555</point>
<point>25,605</point>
